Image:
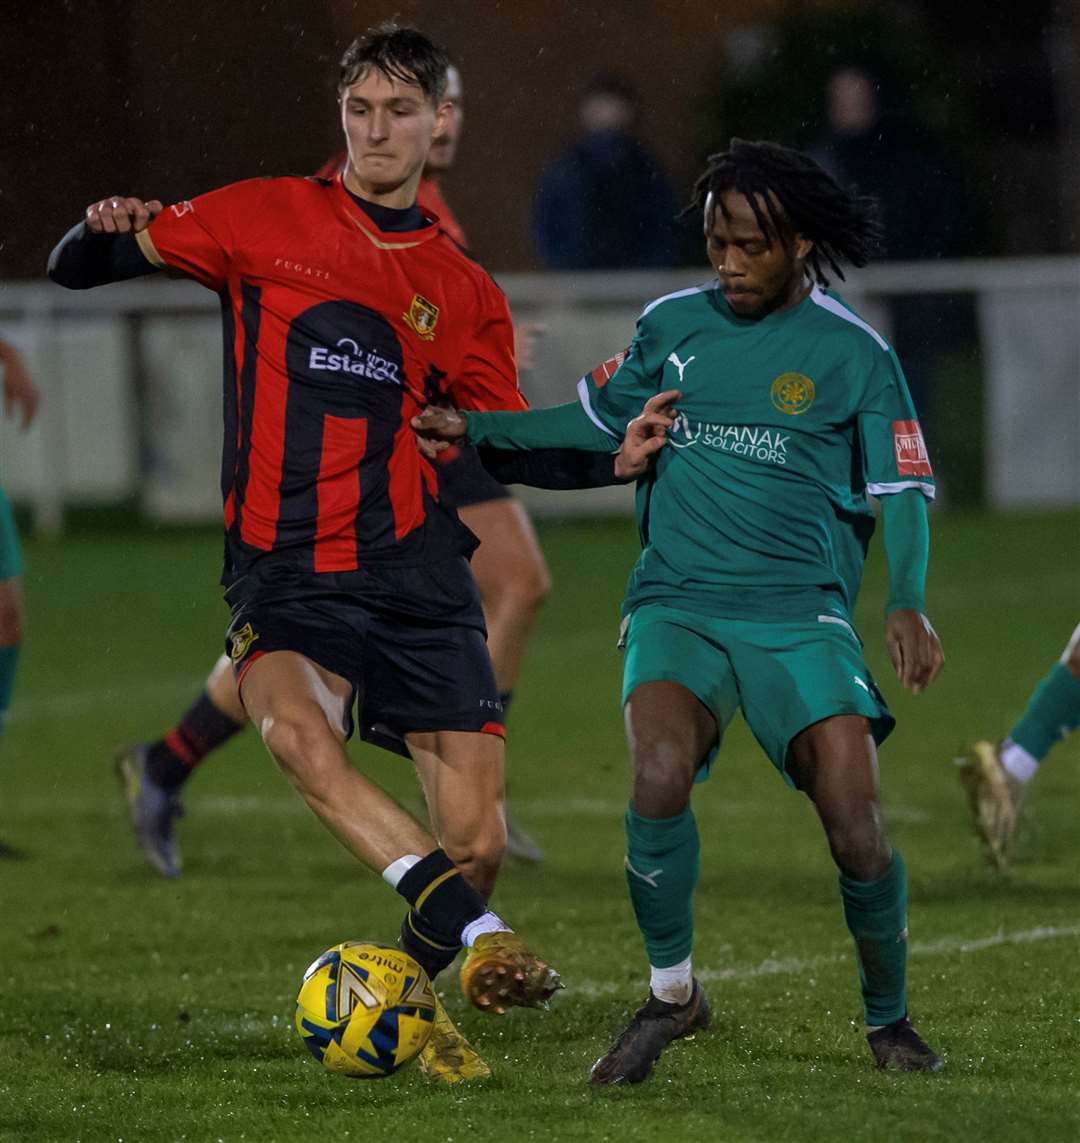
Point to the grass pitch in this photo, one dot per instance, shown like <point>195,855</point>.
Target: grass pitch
<point>145,1010</point>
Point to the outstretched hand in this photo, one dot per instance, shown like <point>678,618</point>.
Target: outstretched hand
<point>119,215</point>
<point>437,429</point>
<point>914,648</point>
<point>646,435</point>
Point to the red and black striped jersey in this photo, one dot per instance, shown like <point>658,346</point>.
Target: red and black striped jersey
<point>336,333</point>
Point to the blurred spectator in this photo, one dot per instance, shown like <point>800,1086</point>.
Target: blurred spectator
<point>880,149</point>
<point>606,203</point>
<point>874,143</point>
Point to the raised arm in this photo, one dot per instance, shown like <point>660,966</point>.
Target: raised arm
<point>103,247</point>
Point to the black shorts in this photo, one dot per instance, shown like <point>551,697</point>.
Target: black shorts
<point>411,641</point>
<point>464,481</point>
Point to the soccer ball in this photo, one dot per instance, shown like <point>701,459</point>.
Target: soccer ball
<point>364,1010</point>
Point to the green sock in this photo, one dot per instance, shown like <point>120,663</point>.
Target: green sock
<point>662,862</point>
<point>1052,712</point>
<point>9,660</point>
<point>876,915</point>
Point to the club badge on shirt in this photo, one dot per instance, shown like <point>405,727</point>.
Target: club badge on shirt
<point>422,317</point>
<point>792,393</point>
<point>240,641</point>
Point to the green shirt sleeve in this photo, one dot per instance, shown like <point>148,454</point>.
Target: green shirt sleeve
<point>907,549</point>
<point>609,397</point>
<point>893,450</point>
<point>562,426</point>
<point>616,391</point>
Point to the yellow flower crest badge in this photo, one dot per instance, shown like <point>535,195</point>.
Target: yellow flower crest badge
<point>792,393</point>
<point>240,641</point>
<point>422,317</point>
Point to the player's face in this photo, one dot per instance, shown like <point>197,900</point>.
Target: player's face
<point>389,126</point>
<point>758,273</point>
<point>444,146</point>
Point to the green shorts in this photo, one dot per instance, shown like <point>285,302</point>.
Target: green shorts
<point>11,564</point>
<point>785,676</point>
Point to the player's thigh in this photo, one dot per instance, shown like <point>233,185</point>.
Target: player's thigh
<point>285,688</point>
<point>462,776</point>
<point>699,698</point>
<point>835,761</point>
<point>509,560</point>
<point>793,675</point>
<point>223,691</point>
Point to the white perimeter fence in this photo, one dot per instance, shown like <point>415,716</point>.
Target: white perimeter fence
<point>131,377</point>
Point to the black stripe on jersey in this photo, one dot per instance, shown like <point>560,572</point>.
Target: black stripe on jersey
<point>250,316</point>
<point>229,402</point>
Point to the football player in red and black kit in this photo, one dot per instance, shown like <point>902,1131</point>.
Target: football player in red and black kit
<point>346,310</point>
<point>508,567</point>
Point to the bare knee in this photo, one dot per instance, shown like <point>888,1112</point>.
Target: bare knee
<point>664,769</point>
<point>520,592</point>
<point>304,746</point>
<point>859,848</point>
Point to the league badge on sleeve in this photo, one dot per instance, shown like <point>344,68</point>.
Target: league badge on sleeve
<point>604,372</point>
<point>912,459</point>
<point>422,317</point>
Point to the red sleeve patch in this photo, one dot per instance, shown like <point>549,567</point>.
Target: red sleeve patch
<point>604,372</point>
<point>912,459</point>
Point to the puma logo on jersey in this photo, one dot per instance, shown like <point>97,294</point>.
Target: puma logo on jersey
<point>680,365</point>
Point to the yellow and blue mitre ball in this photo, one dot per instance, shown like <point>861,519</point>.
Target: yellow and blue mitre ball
<point>364,1010</point>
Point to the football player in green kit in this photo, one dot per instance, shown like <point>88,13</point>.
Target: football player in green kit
<point>791,412</point>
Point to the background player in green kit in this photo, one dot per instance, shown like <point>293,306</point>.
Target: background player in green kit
<point>995,775</point>
<point>754,524</point>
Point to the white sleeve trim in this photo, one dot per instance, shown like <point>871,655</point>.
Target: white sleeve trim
<point>711,285</point>
<point>895,486</point>
<point>586,404</point>
<point>835,307</point>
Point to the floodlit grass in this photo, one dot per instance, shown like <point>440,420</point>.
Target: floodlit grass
<point>145,1010</point>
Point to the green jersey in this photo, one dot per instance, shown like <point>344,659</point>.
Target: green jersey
<point>757,507</point>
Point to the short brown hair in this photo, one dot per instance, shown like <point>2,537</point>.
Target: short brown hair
<point>400,53</point>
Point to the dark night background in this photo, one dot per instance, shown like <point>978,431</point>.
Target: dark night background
<point>167,100</point>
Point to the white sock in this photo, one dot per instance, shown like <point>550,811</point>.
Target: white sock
<point>673,985</point>
<point>1018,763</point>
<point>488,922</point>
<point>394,872</point>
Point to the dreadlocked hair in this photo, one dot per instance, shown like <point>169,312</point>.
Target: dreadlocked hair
<point>790,192</point>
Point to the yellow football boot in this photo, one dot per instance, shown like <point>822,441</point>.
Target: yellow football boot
<point>448,1057</point>
<point>994,798</point>
<point>501,971</point>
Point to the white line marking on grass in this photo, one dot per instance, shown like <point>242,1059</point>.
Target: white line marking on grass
<point>797,966</point>
<point>65,703</point>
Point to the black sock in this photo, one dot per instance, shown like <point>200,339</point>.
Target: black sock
<point>423,945</point>
<point>443,903</point>
<point>171,760</point>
